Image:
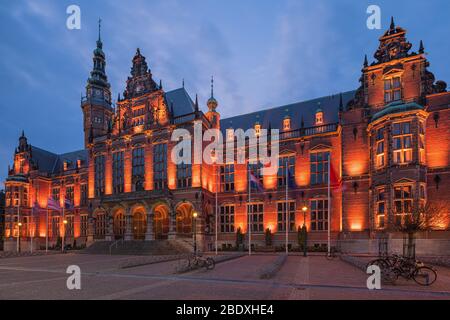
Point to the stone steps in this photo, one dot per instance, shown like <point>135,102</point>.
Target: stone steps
<point>138,247</point>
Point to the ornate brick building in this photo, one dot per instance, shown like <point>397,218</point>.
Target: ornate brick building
<point>389,143</point>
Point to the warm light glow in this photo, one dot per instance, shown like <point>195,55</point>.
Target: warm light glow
<point>356,226</point>
<point>20,224</point>
<point>65,221</point>
<point>304,208</point>
<point>195,214</point>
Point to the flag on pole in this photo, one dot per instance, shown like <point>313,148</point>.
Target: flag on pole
<point>255,182</point>
<point>68,204</point>
<point>53,204</point>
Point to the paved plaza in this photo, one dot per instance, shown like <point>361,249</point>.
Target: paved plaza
<point>314,277</point>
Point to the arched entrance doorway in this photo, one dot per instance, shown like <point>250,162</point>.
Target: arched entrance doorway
<point>184,219</point>
<point>161,221</point>
<point>119,224</point>
<point>139,225</point>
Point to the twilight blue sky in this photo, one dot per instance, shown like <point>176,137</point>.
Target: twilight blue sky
<point>262,54</point>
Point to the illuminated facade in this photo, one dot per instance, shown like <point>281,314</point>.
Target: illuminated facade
<point>389,144</point>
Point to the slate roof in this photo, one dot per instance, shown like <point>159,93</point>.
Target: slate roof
<point>307,109</point>
<point>182,102</point>
<point>53,163</point>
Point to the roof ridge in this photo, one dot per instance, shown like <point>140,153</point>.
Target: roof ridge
<point>287,105</point>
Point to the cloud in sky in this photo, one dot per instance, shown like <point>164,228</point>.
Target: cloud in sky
<point>261,53</point>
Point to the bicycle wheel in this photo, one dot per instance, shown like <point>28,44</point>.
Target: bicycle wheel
<point>389,275</point>
<point>210,263</point>
<point>425,276</point>
<point>381,263</point>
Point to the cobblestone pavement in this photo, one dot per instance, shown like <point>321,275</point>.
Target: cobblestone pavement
<point>314,277</point>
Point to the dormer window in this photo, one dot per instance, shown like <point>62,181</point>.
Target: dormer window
<point>287,123</point>
<point>257,128</point>
<point>392,89</point>
<point>79,163</point>
<point>319,117</point>
<point>66,165</point>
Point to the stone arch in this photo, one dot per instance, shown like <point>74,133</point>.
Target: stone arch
<point>139,221</point>
<point>161,219</point>
<point>184,220</point>
<point>119,221</point>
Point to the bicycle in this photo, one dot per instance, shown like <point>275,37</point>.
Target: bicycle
<point>197,261</point>
<point>397,266</point>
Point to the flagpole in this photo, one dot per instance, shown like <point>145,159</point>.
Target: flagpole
<point>248,213</point>
<point>329,205</point>
<point>64,227</point>
<point>46,231</point>
<point>217,213</point>
<point>286,217</point>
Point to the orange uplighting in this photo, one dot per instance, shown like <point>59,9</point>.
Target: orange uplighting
<point>356,226</point>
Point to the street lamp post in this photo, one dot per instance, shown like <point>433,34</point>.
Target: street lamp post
<point>18,236</point>
<point>64,234</point>
<point>194,215</point>
<point>304,209</point>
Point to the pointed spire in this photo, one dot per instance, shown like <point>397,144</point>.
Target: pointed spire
<point>160,84</point>
<point>212,86</point>
<point>392,27</point>
<point>196,103</point>
<point>99,28</point>
<point>183,82</point>
<point>118,97</point>
<point>421,47</point>
<point>23,134</point>
<point>341,103</point>
<point>366,63</point>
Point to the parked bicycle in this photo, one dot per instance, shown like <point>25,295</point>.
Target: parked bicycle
<point>197,261</point>
<point>395,266</point>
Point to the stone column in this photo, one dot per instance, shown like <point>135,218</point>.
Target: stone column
<point>149,234</point>
<point>109,236</point>
<point>128,225</point>
<point>90,234</point>
<point>172,224</point>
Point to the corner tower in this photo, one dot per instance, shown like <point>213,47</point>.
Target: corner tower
<point>96,105</point>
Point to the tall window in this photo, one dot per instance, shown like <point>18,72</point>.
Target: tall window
<point>84,225</point>
<point>69,193</point>
<point>319,215</point>
<point>256,217</point>
<point>402,148</point>
<point>118,172</point>
<point>25,197</point>
<point>421,142</point>
<point>392,89</point>
<point>16,196</point>
<point>160,166</point>
<point>184,175</point>
<point>282,218</point>
<point>256,169</point>
<point>403,201</point>
<point>227,178</point>
<point>84,194</point>
<point>138,168</point>
<point>379,145</point>
<point>319,167</point>
<point>99,164</point>
<point>55,194</point>
<point>55,226</point>
<point>68,229</point>
<point>284,162</point>
<point>227,218</point>
<point>380,207</point>
<point>100,225</point>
